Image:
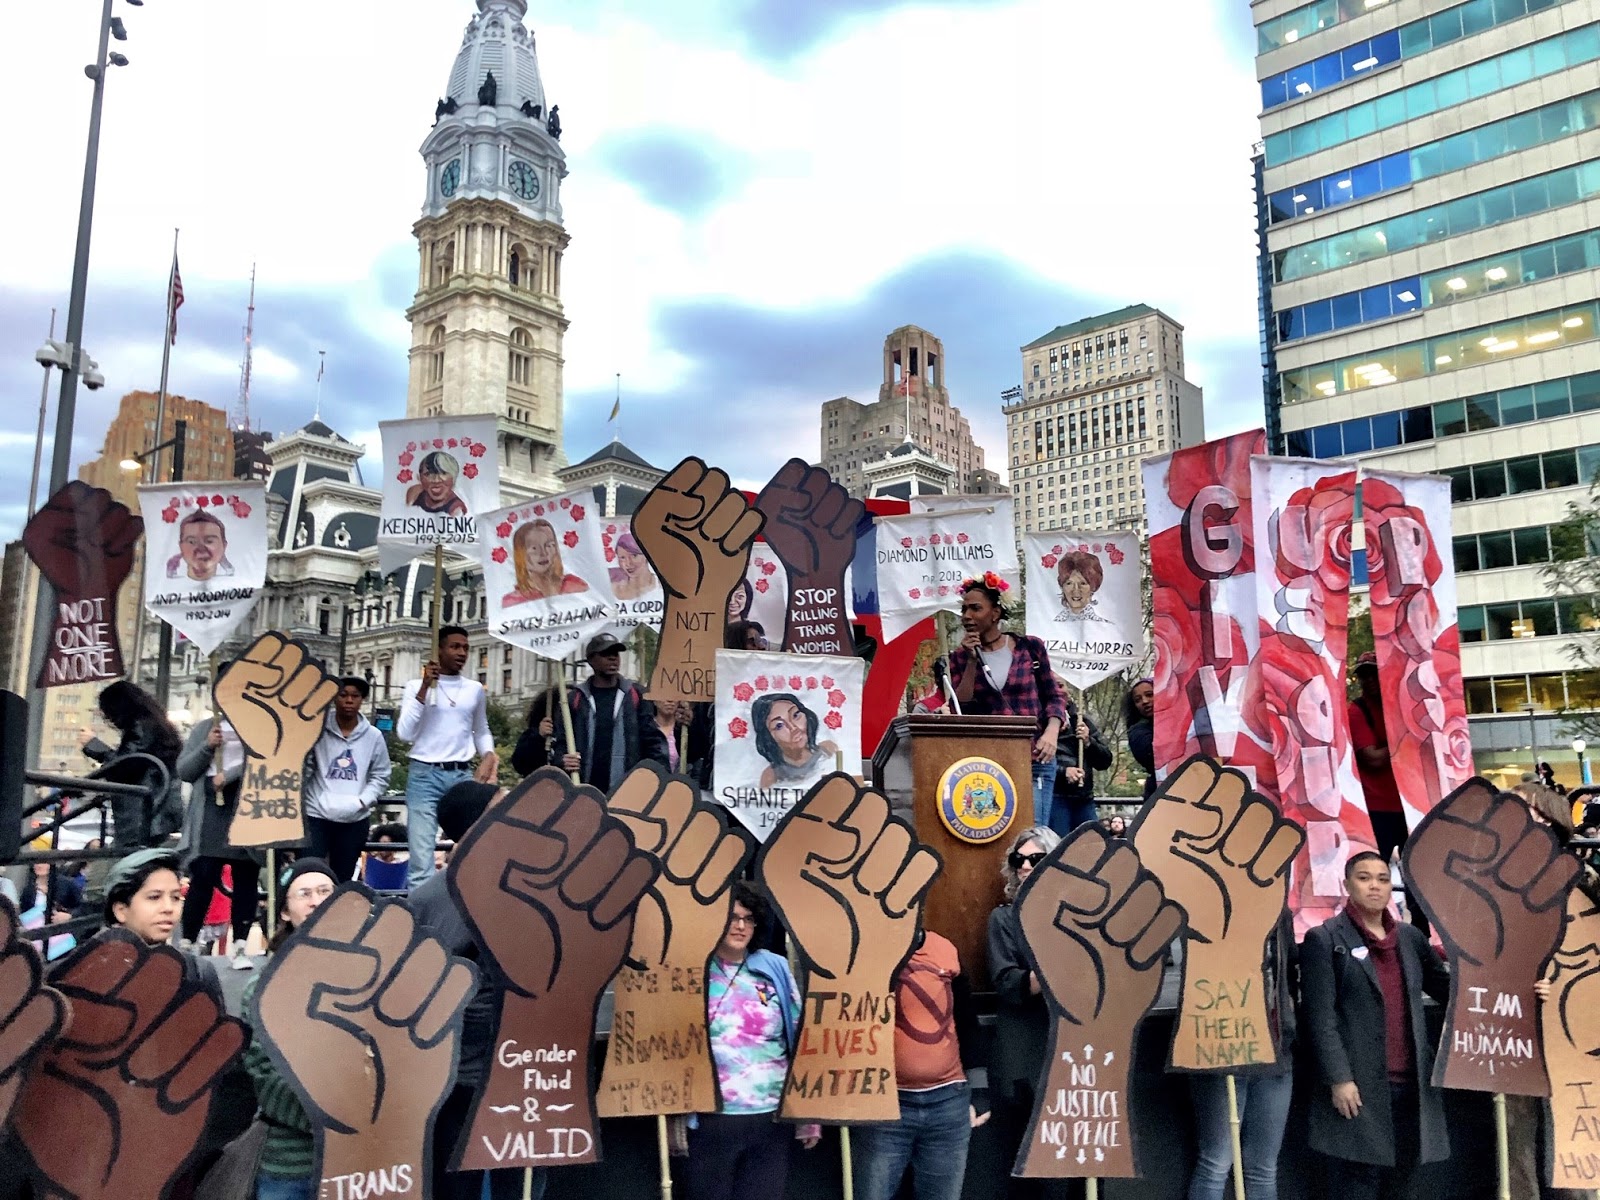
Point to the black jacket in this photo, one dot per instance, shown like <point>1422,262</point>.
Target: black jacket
<point>1021,1018</point>
<point>1142,745</point>
<point>636,725</point>
<point>136,824</point>
<point>1096,757</point>
<point>1344,1028</point>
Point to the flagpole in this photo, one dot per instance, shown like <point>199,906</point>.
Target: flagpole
<point>322,365</point>
<point>616,411</point>
<point>153,475</point>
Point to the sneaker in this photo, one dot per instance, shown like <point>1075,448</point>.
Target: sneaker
<point>241,958</point>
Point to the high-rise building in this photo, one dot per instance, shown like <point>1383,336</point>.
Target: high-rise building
<point>854,434</point>
<point>1429,191</point>
<point>1098,397</point>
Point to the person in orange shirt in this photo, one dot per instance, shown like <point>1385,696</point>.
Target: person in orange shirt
<point>935,1044</point>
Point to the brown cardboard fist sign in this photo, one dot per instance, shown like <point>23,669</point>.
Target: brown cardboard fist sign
<point>1222,853</point>
<point>811,527</point>
<point>696,529</point>
<point>116,1107</point>
<point>548,882</point>
<point>658,1058</point>
<point>1097,930</point>
<point>1494,883</point>
<point>847,880</point>
<point>361,1012</point>
<point>276,697</point>
<point>32,1015</point>
<point>1569,1022</point>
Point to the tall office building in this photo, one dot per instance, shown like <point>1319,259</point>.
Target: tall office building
<point>1430,203</point>
<point>1098,397</point>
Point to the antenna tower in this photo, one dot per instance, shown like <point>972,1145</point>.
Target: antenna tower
<point>241,411</point>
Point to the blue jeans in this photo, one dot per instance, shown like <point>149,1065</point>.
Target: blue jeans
<point>1263,1111</point>
<point>930,1137</point>
<point>1044,791</point>
<point>268,1188</point>
<point>1067,815</point>
<point>425,783</point>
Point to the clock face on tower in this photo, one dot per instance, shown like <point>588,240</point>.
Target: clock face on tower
<point>450,177</point>
<point>523,179</point>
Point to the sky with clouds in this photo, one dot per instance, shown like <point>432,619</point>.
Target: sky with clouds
<point>759,191</point>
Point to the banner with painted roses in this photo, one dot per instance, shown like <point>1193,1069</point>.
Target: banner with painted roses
<point>923,557</point>
<point>762,595</point>
<point>1415,631</point>
<point>545,574</point>
<point>637,598</point>
<point>1295,696</point>
<point>207,556</point>
<point>439,474</point>
<point>1084,602</point>
<point>783,720</point>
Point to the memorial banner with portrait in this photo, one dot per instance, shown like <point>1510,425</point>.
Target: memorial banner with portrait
<point>1084,602</point>
<point>1416,636</point>
<point>207,556</point>
<point>545,574</point>
<point>922,559</point>
<point>439,475</point>
<point>783,720</point>
<point>763,596</point>
<point>636,595</point>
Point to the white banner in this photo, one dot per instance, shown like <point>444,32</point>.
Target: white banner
<point>782,722</point>
<point>636,591</point>
<point>924,557</point>
<point>207,556</point>
<point>545,574</point>
<point>763,595</point>
<point>439,474</point>
<point>1084,602</point>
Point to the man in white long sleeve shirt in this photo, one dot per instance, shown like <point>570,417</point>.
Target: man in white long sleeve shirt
<point>445,717</point>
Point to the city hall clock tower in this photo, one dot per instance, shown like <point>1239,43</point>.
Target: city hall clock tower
<point>487,322</point>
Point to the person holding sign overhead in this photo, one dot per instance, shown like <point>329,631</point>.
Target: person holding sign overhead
<point>445,717</point>
<point>1004,674</point>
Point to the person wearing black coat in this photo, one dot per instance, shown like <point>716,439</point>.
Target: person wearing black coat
<point>1375,1113</point>
<point>613,725</point>
<point>1139,718</point>
<point>209,757</point>
<point>1074,787</point>
<point>134,713</point>
<point>533,747</point>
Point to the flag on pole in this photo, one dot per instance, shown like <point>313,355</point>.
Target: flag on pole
<point>905,384</point>
<point>174,301</point>
<point>322,365</point>
<point>616,410</point>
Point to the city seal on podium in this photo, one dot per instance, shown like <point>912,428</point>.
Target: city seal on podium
<point>977,800</point>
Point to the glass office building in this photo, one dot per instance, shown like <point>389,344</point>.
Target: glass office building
<point>1429,209</point>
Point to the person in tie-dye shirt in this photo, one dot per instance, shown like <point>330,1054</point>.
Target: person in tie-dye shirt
<point>753,1016</point>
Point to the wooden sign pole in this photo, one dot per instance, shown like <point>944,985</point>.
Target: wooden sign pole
<point>849,1167</point>
<point>438,595</point>
<point>1502,1152</point>
<point>566,714</point>
<point>1233,1129</point>
<point>666,1161</point>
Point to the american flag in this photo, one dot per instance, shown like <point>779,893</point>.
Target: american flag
<point>174,302</point>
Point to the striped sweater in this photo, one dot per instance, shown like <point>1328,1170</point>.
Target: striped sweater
<point>290,1151</point>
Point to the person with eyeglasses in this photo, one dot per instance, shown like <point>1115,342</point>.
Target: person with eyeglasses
<point>1021,1019</point>
<point>289,1152</point>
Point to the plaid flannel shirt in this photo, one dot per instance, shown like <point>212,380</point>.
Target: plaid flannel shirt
<point>1025,691</point>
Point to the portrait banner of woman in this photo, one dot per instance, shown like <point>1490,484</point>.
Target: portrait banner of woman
<point>923,557</point>
<point>207,547</point>
<point>545,573</point>
<point>1084,602</point>
<point>635,588</point>
<point>439,475</point>
<point>782,723</point>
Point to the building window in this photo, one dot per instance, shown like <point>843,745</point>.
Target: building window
<point>520,367</point>
<point>436,355</point>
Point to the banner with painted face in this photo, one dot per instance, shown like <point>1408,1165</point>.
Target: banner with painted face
<point>1084,602</point>
<point>763,595</point>
<point>782,722</point>
<point>545,574</point>
<point>439,475</point>
<point>1414,630</point>
<point>1203,600</point>
<point>637,598</point>
<point>923,557</point>
<point>1295,697</point>
<point>207,547</point>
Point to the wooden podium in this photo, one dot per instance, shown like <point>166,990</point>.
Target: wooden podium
<point>909,763</point>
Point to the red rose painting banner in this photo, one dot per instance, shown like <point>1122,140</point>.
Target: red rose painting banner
<point>1203,597</point>
<point>1084,603</point>
<point>783,720</point>
<point>1407,519</point>
<point>207,544</point>
<point>1303,513</point>
<point>439,474</point>
<point>545,573</point>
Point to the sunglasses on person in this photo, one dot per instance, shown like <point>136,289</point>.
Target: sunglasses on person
<point>1017,859</point>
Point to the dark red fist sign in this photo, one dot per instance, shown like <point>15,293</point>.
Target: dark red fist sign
<point>31,1015</point>
<point>811,526</point>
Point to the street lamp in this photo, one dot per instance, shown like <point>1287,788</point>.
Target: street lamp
<point>1578,747</point>
<point>176,443</point>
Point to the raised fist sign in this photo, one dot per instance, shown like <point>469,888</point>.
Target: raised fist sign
<point>116,1108</point>
<point>276,697</point>
<point>1569,1021</point>
<point>82,541</point>
<point>548,882</point>
<point>361,1012</point>
<point>811,527</point>
<point>1097,928</point>
<point>1493,882</point>
<point>848,880</point>
<point>658,1059</point>
<point>1222,853</point>
<point>696,530</point>
<point>31,1015</point>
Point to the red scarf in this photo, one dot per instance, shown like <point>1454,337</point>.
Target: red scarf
<point>1398,1051</point>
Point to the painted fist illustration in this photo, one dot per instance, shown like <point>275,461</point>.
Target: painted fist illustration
<point>31,1015</point>
<point>361,1014</point>
<point>132,1081</point>
<point>696,530</point>
<point>275,696</point>
<point>1571,1034</point>
<point>1493,881</point>
<point>811,526</point>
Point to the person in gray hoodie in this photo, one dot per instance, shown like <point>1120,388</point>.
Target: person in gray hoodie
<point>350,772</point>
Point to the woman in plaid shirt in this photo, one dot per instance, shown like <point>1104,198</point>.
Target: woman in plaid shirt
<point>1004,674</point>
